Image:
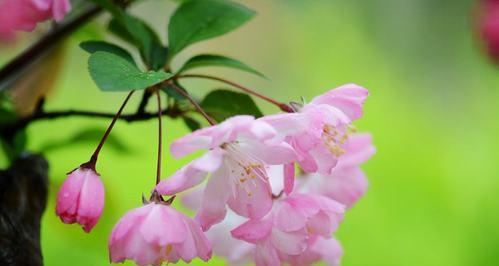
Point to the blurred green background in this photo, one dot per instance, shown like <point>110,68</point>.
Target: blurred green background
<point>433,111</point>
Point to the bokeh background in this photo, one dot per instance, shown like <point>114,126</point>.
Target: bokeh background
<point>433,111</point>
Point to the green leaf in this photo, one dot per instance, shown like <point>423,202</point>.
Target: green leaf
<point>114,73</point>
<point>222,104</point>
<point>140,34</point>
<point>191,123</point>
<point>96,46</point>
<point>205,60</point>
<point>200,20</point>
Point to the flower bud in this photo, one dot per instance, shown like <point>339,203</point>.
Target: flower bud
<point>81,198</point>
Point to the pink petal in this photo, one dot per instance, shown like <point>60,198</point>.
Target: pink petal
<point>286,123</point>
<point>272,154</point>
<point>266,255</point>
<point>215,197</point>
<point>130,220</point>
<point>42,4</point>
<point>252,200</point>
<point>349,98</point>
<point>195,244</point>
<point>329,249</point>
<point>358,149</point>
<point>191,174</point>
<point>259,130</point>
<point>345,185</point>
<point>289,177</point>
<point>60,8</point>
<point>253,231</point>
<point>70,191</point>
<point>292,243</point>
<point>211,137</point>
<point>91,201</point>
<point>163,226</point>
<point>286,218</point>
<point>321,224</point>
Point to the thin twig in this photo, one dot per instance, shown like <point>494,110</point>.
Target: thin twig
<point>95,155</point>
<point>193,102</point>
<point>160,139</point>
<point>284,107</point>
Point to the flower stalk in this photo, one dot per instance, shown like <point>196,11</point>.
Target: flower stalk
<point>93,160</point>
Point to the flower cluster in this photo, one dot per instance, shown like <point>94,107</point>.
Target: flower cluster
<point>251,168</point>
<point>252,207</point>
<point>23,15</point>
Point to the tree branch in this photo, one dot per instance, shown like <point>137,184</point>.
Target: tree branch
<point>9,129</point>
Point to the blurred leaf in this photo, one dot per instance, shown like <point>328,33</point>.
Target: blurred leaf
<point>200,20</point>
<point>15,146</point>
<point>191,123</point>
<point>114,73</point>
<point>108,6</point>
<point>205,60</point>
<point>222,104</point>
<point>96,46</point>
<point>138,33</point>
<point>86,136</point>
<point>7,112</point>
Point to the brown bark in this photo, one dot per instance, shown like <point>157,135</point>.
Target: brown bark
<point>23,197</point>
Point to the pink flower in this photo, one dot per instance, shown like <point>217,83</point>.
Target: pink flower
<point>291,228</point>
<point>487,22</point>
<point>319,130</point>
<point>23,15</point>
<point>240,149</point>
<point>156,233</point>
<point>347,182</point>
<point>81,198</point>
<point>319,250</point>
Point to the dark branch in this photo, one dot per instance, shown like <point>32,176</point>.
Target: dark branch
<point>8,130</point>
<point>143,102</point>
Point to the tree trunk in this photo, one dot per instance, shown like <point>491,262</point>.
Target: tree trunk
<point>23,197</point>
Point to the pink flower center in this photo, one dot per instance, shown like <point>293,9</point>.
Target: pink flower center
<point>244,168</point>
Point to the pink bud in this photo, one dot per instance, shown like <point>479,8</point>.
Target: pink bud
<point>487,23</point>
<point>157,233</point>
<point>81,198</point>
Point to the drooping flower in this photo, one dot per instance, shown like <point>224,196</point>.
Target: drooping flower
<point>240,148</point>
<point>318,130</point>
<point>487,24</point>
<point>157,233</point>
<point>291,228</point>
<point>23,15</point>
<point>347,182</point>
<point>81,198</point>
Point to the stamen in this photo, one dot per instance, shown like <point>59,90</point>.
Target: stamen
<point>334,138</point>
<point>245,167</point>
